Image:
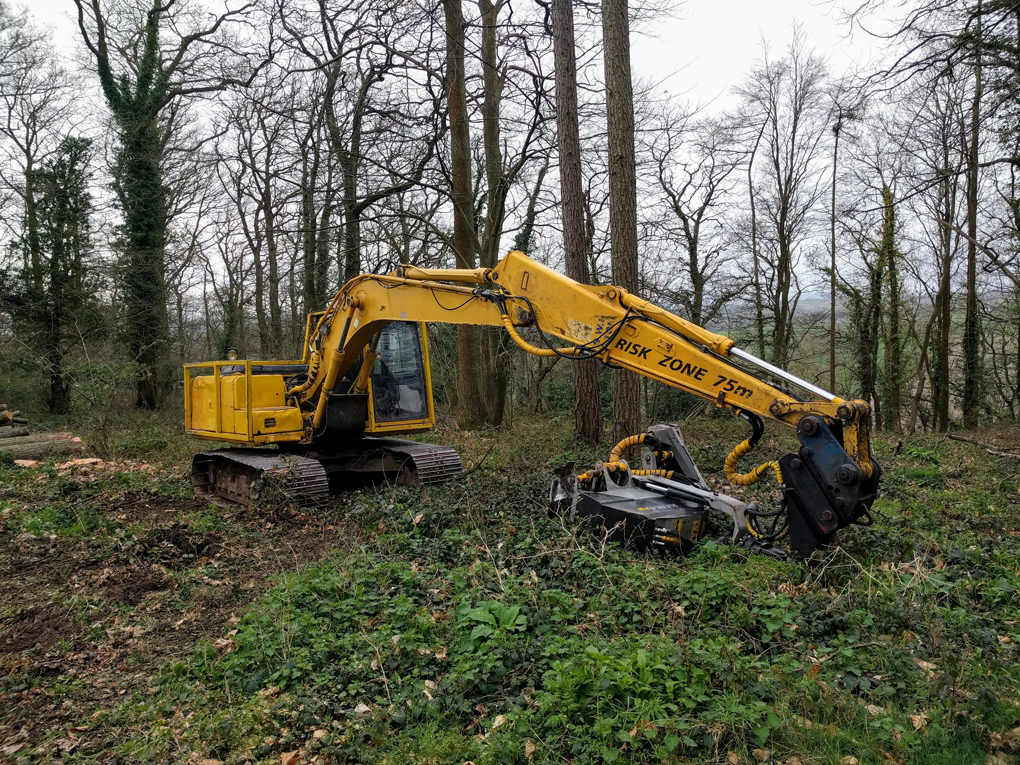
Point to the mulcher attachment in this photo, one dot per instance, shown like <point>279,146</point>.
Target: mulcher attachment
<point>663,506</point>
<point>665,503</point>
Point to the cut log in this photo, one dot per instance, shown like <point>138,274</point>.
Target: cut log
<point>35,437</point>
<point>987,447</point>
<point>3,407</point>
<point>20,420</point>
<point>5,417</point>
<point>29,448</point>
<point>13,432</point>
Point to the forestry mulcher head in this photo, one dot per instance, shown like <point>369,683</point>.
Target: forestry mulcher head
<point>665,503</point>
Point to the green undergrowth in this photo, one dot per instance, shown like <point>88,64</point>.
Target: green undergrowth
<point>463,624</point>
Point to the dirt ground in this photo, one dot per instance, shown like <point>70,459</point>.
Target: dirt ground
<point>90,612</point>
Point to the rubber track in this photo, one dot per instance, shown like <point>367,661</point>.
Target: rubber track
<point>305,482</point>
<point>433,464</point>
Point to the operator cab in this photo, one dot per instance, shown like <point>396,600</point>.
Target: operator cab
<point>399,397</point>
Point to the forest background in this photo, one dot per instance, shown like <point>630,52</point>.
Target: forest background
<point>189,180</point>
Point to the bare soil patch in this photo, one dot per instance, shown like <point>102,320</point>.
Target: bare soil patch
<point>100,613</point>
<point>131,585</point>
<point>42,625</point>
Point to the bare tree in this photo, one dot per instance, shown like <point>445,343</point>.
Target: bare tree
<point>694,162</point>
<point>789,95</point>
<point>587,401</point>
<point>622,192</point>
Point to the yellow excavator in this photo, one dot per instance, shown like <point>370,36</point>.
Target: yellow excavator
<point>365,377</point>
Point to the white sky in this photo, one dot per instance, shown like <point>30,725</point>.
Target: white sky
<point>710,46</point>
<point>701,53</point>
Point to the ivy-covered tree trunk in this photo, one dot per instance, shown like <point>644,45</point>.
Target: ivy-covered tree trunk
<point>893,372</point>
<point>62,209</point>
<point>143,200</point>
<point>864,307</point>
<point>140,77</point>
<point>943,303</point>
<point>972,317</point>
<point>136,97</point>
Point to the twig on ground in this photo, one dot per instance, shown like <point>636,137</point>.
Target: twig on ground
<point>987,447</point>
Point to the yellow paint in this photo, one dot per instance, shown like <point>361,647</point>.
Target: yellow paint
<point>626,331</point>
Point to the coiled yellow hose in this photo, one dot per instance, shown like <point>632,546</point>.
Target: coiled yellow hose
<point>313,369</point>
<point>615,466</point>
<point>755,475</point>
<point>625,444</point>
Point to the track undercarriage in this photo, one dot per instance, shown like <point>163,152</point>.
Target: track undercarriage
<point>309,476</point>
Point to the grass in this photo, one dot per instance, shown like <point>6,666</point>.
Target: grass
<point>460,623</point>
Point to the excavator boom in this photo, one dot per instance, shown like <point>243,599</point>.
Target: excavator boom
<point>829,483</point>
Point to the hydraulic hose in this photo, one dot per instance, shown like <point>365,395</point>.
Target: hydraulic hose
<point>614,466</point>
<point>533,349</point>
<point>755,475</point>
<point>313,369</point>
<point>625,444</point>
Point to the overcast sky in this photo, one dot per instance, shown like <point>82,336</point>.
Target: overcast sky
<point>701,53</point>
<point>712,44</point>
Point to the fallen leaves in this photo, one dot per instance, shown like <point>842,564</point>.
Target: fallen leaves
<point>290,758</point>
<point>919,720</point>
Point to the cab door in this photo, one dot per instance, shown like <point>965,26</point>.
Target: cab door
<point>400,394</point>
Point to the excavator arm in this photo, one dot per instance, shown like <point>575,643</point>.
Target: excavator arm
<point>829,483</point>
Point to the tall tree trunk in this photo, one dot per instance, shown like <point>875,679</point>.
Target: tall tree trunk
<point>972,318</point>
<point>273,256</point>
<point>54,333</point>
<point>832,260</point>
<point>919,373</point>
<point>470,414</point>
<point>308,237</point>
<point>759,316</point>
<point>322,290</point>
<point>492,370</point>
<point>943,301</point>
<point>143,200</point>
<point>352,213</point>
<point>622,193</point>
<point>893,367</point>
<point>587,399</point>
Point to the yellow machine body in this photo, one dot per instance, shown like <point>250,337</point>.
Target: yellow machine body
<point>244,402</point>
<point>365,371</point>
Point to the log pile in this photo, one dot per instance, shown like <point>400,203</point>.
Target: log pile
<point>17,441</point>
